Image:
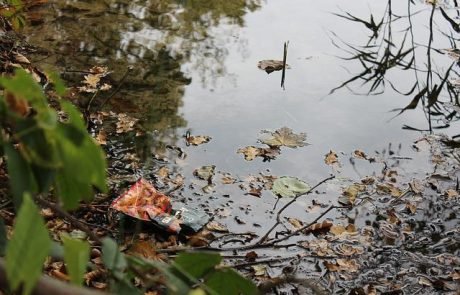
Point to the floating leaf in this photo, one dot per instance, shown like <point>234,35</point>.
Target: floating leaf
<point>259,270</point>
<point>283,137</point>
<point>251,152</point>
<point>296,223</point>
<point>125,123</point>
<point>360,154</point>
<point>351,192</point>
<point>270,65</point>
<point>287,186</point>
<point>216,227</point>
<point>320,227</point>
<point>197,140</point>
<point>205,172</point>
<point>331,158</point>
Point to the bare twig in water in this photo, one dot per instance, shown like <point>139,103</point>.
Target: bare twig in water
<point>283,75</point>
<point>128,70</point>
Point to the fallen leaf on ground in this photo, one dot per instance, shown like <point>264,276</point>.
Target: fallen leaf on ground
<point>283,137</point>
<point>271,65</point>
<point>287,186</point>
<point>197,140</point>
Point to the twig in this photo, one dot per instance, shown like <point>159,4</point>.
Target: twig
<point>278,216</point>
<point>283,74</point>
<point>74,221</point>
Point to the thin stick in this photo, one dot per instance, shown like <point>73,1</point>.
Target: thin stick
<point>278,216</point>
<point>283,75</point>
<point>74,221</point>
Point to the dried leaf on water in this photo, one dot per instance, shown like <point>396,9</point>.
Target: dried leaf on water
<point>296,223</point>
<point>197,139</point>
<point>270,65</point>
<point>360,155</point>
<point>320,227</point>
<point>125,123</point>
<point>252,152</point>
<point>331,158</point>
<point>283,137</point>
<point>351,193</point>
<point>287,186</point>
<point>216,227</point>
<point>348,265</point>
<point>205,172</point>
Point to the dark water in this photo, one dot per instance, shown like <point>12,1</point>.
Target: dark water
<point>195,69</point>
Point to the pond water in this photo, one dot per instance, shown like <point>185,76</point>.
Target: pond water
<point>195,70</point>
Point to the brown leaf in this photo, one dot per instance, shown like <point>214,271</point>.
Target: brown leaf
<point>216,227</point>
<point>101,137</point>
<point>296,223</point>
<point>416,186</point>
<point>255,191</point>
<point>352,192</point>
<point>360,154</point>
<point>411,207</point>
<point>144,249</point>
<point>349,265</point>
<point>227,179</point>
<point>197,140</point>
<point>388,189</point>
<point>331,158</point>
<point>270,65</point>
<point>249,152</point>
<point>125,123</point>
<point>348,250</point>
<point>163,172</point>
<point>283,137</point>
<point>251,256</point>
<point>320,227</point>
<point>451,193</point>
<point>16,104</point>
<point>20,58</point>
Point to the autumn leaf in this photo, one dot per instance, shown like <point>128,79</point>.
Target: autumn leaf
<point>205,172</point>
<point>331,158</point>
<point>296,223</point>
<point>351,193</point>
<point>216,227</point>
<point>197,140</point>
<point>348,265</point>
<point>360,154</point>
<point>270,65</point>
<point>125,123</point>
<point>283,137</point>
<point>319,227</point>
<point>252,152</point>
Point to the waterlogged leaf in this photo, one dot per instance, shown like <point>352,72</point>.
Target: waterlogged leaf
<point>331,158</point>
<point>270,65</point>
<point>216,227</point>
<point>360,155</point>
<point>320,227</point>
<point>205,172</point>
<point>348,265</point>
<point>58,83</point>
<point>388,189</point>
<point>287,186</point>
<point>296,223</point>
<point>350,193</point>
<point>27,250</point>
<point>283,137</point>
<point>125,123</point>
<point>197,139</point>
<point>76,257</point>
<point>251,152</point>
<point>259,270</point>
<point>197,264</point>
<point>229,282</point>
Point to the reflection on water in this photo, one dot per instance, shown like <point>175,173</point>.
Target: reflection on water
<point>156,38</point>
<point>395,44</point>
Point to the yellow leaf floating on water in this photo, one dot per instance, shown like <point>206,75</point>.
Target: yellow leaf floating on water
<point>331,158</point>
<point>283,137</point>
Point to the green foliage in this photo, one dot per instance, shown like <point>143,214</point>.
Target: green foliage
<point>188,262</point>
<point>76,257</point>
<point>229,282</point>
<point>49,151</point>
<point>28,248</point>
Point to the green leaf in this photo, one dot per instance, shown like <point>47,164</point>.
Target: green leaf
<point>76,257</point>
<point>229,282</point>
<point>287,186</point>
<point>58,83</point>
<point>21,176</point>
<point>27,250</point>
<point>113,259</point>
<point>197,264</point>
